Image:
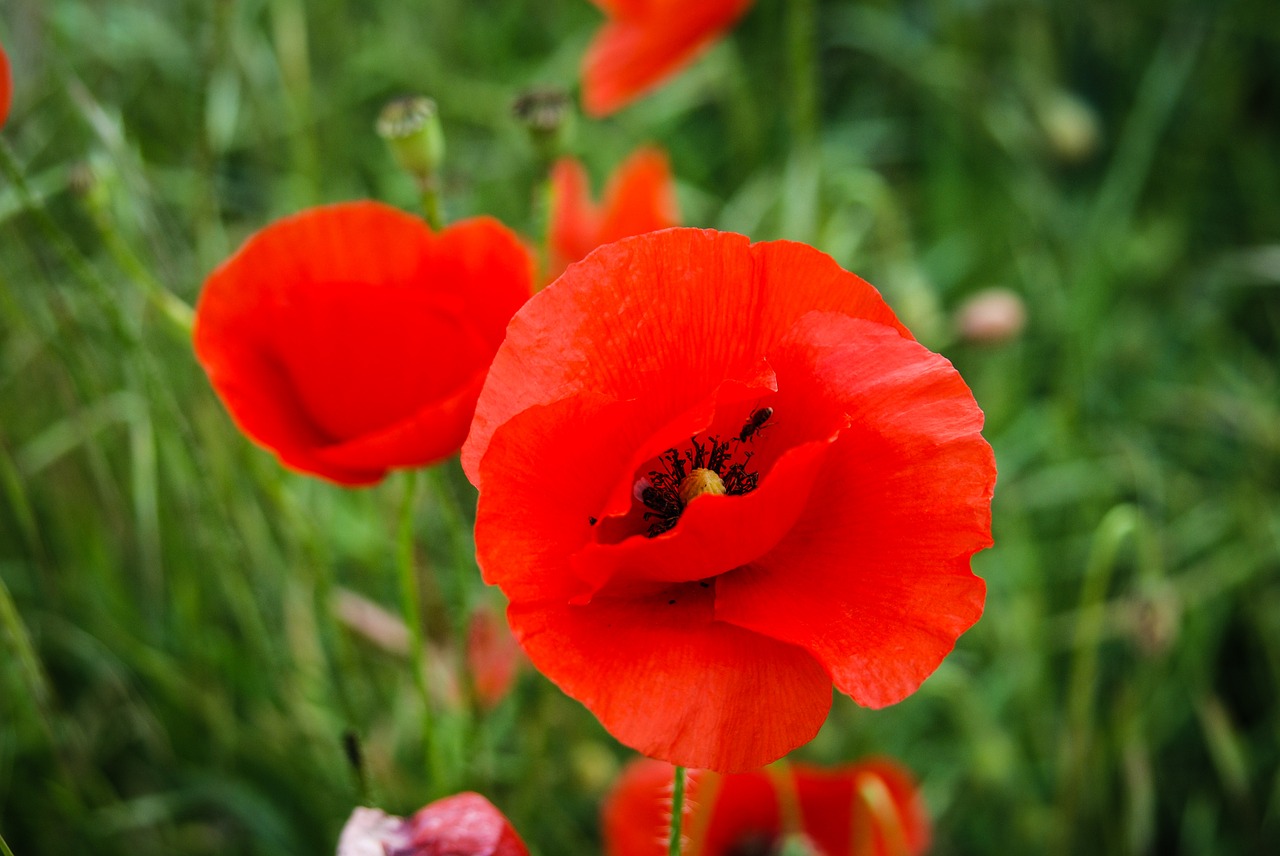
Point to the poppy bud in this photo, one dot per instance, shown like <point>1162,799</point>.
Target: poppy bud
<point>493,657</point>
<point>411,127</point>
<point>991,316</point>
<point>1070,125</point>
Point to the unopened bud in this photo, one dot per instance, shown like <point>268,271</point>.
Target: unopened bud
<point>991,316</point>
<point>411,127</point>
<point>1070,125</point>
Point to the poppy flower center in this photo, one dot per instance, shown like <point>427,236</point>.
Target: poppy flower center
<point>711,466</point>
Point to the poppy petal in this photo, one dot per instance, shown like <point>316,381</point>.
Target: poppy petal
<point>663,676</point>
<point>646,43</point>
<point>874,579</point>
<point>6,87</point>
<point>350,339</point>
<point>665,317</point>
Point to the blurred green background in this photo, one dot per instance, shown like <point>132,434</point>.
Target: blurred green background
<point>172,675</point>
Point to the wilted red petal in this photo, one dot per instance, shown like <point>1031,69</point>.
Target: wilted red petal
<point>645,42</point>
<point>349,339</point>
<point>874,579</point>
<point>640,198</point>
<point>6,87</point>
<point>462,825</point>
<point>465,824</point>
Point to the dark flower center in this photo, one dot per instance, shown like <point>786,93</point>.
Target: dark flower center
<point>705,467</point>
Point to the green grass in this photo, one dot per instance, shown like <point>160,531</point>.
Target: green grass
<point>172,679</point>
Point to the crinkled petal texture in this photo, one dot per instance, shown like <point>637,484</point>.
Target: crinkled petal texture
<point>707,630</point>
<point>871,808</point>
<point>646,41</point>
<point>640,198</point>
<point>465,824</point>
<point>350,339</point>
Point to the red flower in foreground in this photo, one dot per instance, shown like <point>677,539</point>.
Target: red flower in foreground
<point>716,478</point>
<point>6,87</point>
<point>461,825</point>
<point>871,808</point>
<point>640,198</point>
<point>350,339</point>
<point>646,41</point>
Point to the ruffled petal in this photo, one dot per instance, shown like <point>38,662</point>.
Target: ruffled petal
<point>663,676</point>
<point>665,317</point>
<point>350,339</point>
<point>874,578</point>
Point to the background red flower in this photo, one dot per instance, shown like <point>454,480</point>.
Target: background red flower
<point>350,339</point>
<point>640,198</point>
<point>6,87</point>
<point>646,41</point>
<point>465,824</point>
<point>708,631</point>
<point>744,812</point>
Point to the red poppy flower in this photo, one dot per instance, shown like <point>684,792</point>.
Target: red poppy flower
<point>716,478</point>
<point>465,824</point>
<point>646,41</point>
<point>493,657</point>
<point>350,339</point>
<point>871,808</point>
<point>6,87</point>
<point>640,198</point>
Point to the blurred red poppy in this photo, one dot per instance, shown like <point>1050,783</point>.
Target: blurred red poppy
<point>640,198</point>
<point>871,808</point>
<point>646,41</point>
<point>351,340</point>
<point>493,656</point>
<point>465,824</point>
<point>717,477</point>
<point>6,87</point>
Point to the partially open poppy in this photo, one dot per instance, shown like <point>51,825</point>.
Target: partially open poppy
<point>716,478</point>
<point>646,41</point>
<point>871,808</point>
<point>6,87</point>
<point>350,339</point>
<point>465,824</point>
<point>640,198</point>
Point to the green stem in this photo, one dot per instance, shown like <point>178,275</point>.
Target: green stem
<point>677,813</point>
<point>803,70</point>
<point>410,604</point>
<point>432,207</point>
<point>4,847</point>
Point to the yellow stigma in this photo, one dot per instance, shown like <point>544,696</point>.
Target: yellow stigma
<point>701,481</point>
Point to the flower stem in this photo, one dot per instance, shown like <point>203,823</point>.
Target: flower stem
<point>410,604</point>
<point>677,813</point>
<point>801,33</point>
<point>432,208</point>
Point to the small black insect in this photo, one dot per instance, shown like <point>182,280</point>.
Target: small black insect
<point>754,423</point>
<point>592,521</point>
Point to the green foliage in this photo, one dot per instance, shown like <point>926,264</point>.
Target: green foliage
<point>172,675</point>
